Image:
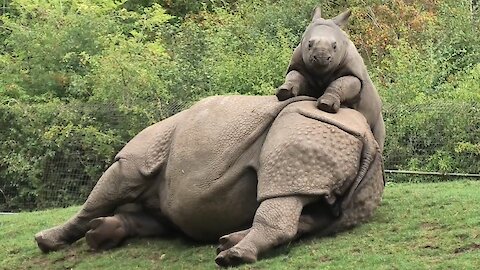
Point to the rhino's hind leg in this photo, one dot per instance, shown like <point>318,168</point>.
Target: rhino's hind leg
<point>106,232</point>
<point>109,232</point>
<point>275,222</point>
<point>230,240</point>
<point>120,184</point>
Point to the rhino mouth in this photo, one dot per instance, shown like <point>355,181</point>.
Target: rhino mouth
<point>321,61</point>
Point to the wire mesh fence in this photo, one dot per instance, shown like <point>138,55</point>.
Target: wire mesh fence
<point>432,141</point>
<point>4,7</point>
<point>427,142</point>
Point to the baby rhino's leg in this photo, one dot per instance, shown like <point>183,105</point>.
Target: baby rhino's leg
<point>295,84</point>
<point>109,232</point>
<point>342,90</point>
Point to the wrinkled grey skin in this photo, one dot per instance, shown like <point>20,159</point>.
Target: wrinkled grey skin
<point>252,171</point>
<point>326,65</point>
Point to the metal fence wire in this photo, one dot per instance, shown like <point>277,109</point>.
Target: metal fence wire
<point>432,141</point>
<point>424,143</point>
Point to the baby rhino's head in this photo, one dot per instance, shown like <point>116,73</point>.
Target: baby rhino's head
<point>324,44</point>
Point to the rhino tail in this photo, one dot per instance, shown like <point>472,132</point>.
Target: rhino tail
<point>369,151</point>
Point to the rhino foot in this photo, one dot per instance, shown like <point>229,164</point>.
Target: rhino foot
<point>235,256</point>
<point>50,240</point>
<point>284,92</point>
<point>230,240</point>
<point>329,103</point>
<point>105,233</point>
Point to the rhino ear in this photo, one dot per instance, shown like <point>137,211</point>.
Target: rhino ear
<point>317,13</point>
<point>342,18</point>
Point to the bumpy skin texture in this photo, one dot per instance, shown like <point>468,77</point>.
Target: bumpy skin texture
<point>292,166</point>
<point>326,65</point>
<point>198,172</point>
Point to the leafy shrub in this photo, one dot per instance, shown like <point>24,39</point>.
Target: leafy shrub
<point>83,79</point>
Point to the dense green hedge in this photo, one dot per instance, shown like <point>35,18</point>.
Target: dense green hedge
<point>80,78</point>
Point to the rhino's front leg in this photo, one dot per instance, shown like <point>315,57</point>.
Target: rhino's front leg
<point>342,90</point>
<point>120,184</point>
<point>275,222</point>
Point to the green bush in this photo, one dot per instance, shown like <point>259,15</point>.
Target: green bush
<point>83,79</point>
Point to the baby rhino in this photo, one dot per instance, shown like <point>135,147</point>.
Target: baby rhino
<point>326,65</point>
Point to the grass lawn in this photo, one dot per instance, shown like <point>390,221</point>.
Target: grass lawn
<point>418,226</point>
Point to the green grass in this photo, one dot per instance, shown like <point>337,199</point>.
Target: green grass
<point>418,226</point>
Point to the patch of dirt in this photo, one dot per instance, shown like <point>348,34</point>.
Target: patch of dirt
<point>324,258</point>
<point>69,256</point>
<point>157,256</point>
<point>356,251</point>
<point>430,246</point>
<point>40,262</point>
<point>462,236</point>
<point>14,251</point>
<point>467,248</point>
<point>394,229</point>
<point>68,259</point>
<point>430,226</point>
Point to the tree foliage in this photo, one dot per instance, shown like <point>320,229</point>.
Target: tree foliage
<point>79,78</point>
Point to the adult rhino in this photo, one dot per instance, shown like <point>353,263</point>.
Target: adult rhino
<point>249,169</point>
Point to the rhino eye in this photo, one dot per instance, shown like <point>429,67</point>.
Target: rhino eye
<point>334,45</point>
